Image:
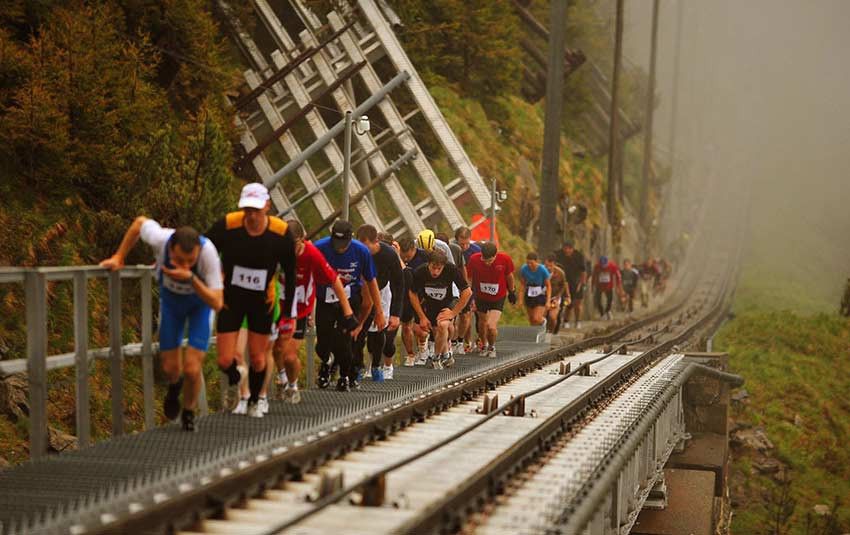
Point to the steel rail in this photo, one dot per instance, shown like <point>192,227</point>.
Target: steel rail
<point>203,501</point>
<point>454,501</point>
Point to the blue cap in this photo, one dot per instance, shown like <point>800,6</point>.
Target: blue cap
<point>603,260</point>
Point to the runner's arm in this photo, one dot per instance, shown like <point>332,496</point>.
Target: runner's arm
<point>339,290</point>
<point>548,291</point>
<point>417,307</point>
<point>213,298</point>
<point>131,238</point>
<point>375,294</point>
<point>465,295</point>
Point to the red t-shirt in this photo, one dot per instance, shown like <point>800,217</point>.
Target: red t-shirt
<point>490,282</point>
<point>606,278</point>
<point>311,269</point>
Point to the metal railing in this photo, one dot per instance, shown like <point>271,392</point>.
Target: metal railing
<point>38,361</point>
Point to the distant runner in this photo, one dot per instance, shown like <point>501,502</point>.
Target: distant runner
<point>537,289</point>
<point>391,288</point>
<point>312,270</point>
<point>560,295</point>
<point>437,307</point>
<point>573,264</point>
<point>353,262</point>
<point>492,277</point>
<point>190,288</point>
<point>464,322</point>
<point>606,280</point>
<point>631,277</point>
<point>411,335</point>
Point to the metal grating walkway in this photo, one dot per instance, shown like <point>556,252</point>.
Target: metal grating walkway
<point>117,469</point>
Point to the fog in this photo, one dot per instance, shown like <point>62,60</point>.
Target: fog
<point>764,103</point>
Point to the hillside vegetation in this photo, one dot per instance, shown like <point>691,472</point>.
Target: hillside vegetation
<point>792,348</point>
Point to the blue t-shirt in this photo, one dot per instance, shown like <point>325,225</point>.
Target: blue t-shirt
<point>471,250</point>
<point>535,278</point>
<point>354,263</point>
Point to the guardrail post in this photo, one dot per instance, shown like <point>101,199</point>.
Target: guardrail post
<point>147,351</point>
<point>310,337</point>
<point>36,313</point>
<point>116,371</point>
<point>81,357</point>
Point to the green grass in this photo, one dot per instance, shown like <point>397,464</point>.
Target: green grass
<point>793,354</point>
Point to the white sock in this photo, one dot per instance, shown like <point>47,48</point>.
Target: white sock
<point>282,376</point>
<point>293,386</point>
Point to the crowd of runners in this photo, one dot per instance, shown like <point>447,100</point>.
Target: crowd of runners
<point>263,282</point>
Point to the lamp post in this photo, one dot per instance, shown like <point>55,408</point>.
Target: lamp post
<point>495,195</point>
<point>361,126</point>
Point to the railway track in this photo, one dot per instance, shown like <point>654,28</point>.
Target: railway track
<point>456,459</point>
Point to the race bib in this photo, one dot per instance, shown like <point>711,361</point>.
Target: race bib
<point>534,291</point>
<point>489,288</point>
<point>437,294</point>
<point>604,277</point>
<point>181,288</point>
<point>386,299</point>
<point>330,294</point>
<point>250,279</point>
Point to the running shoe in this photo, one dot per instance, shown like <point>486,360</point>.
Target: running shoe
<point>241,407</point>
<point>447,360</point>
<point>292,394</point>
<point>232,394</point>
<point>433,362</point>
<point>491,352</point>
<point>263,403</point>
<point>188,420</point>
<point>342,385</point>
<point>388,372</point>
<point>324,379</point>
<point>468,348</point>
<point>171,405</point>
<point>254,410</point>
<point>421,358</point>
<point>410,361</point>
<point>378,375</point>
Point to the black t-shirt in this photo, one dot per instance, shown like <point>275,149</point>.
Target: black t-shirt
<point>437,292</point>
<point>630,278</point>
<point>388,266</point>
<point>249,262</point>
<point>573,265</point>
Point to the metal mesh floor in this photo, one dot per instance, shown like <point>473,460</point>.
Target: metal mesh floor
<point>38,491</point>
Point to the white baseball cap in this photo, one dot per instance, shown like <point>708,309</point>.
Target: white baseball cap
<point>253,195</point>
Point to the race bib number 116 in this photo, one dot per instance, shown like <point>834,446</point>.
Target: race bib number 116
<point>250,279</point>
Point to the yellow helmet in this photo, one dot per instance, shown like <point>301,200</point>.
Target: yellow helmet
<point>425,240</point>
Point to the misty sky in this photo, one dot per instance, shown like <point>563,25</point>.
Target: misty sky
<point>767,82</point>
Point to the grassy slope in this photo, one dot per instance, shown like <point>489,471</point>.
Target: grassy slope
<point>792,348</point>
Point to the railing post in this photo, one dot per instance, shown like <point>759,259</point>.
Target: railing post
<point>147,350</point>
<point>116,371</point>
<point>36,313</point>
<point>81,359</point>
<point>310,335</point>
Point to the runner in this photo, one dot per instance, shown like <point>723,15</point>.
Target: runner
<point>537,289</point>
<point>460,262</point>
<point>560,295</point>
<point>391,287</point>
<point>573,264</point>
<point>427,241</point>
<point>630,277</point>
<point>312,269</point>
<point>464,322</point>
<point>606,279</point>
<point>492,276</point>
<point>413,257</point>
<point>252,245</point>
<point>353,262</point>
<point>190,288</point>
<point>437,307</point>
